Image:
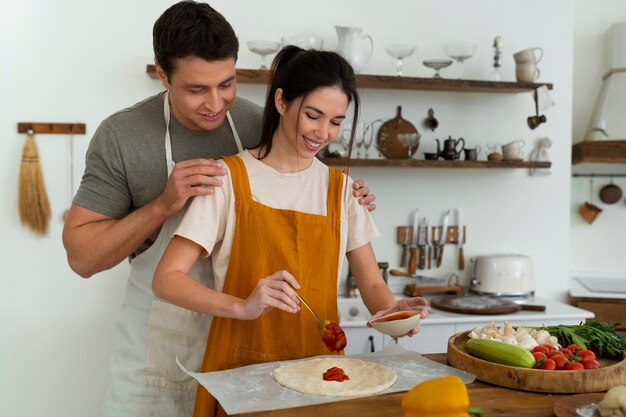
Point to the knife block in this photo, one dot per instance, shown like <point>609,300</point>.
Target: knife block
<point>452,235</point>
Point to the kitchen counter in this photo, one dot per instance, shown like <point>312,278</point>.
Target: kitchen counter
<point>493,400</point>
<point>555,311</point>
<point>440,325</point>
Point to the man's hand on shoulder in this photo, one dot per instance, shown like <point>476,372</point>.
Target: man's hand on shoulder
<point>190,178</point>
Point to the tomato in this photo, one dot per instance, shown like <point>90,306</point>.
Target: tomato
<point>540,348</point>
<point>549,347</point>
<point>591,364</point>
<point>586,354</point>
<point>574,347</point>
<point>556,353</point>
<point>574,366</point>
<point>560,361</point>
<point>539,356</point>
<point>548,364</point>
<point>567,352</point>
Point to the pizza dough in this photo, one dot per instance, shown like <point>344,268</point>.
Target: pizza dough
<point>366,378</point>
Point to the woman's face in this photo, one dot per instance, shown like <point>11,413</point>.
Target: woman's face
<point>309,124</point>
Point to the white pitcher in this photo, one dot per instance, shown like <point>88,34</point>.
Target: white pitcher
<point>350,46</point>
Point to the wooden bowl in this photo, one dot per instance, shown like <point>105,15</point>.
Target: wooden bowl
<point>612,373</point>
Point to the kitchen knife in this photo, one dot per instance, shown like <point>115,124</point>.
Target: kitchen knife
<point>413,253</point>
<point>444,235</point>
<point>421,244</point>
<point>429,240</point>
<point>436,232</point>
<point>461,238</point>
<point>405,246</point>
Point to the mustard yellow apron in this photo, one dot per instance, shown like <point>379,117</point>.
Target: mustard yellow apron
<point>268,240</point>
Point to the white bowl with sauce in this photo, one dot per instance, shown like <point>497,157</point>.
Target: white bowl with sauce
<point>397,324</point>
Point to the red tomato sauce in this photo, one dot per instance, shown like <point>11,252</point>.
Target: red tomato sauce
<point>395,316</point>
<point>335,374</point>
<point>333,337</point>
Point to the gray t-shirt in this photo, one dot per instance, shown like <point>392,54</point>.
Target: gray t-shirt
<point>125,162</point>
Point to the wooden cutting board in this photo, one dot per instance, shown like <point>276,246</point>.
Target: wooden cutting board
<point>476,304</point>
<point>567,406</point>
<point>612,373</point>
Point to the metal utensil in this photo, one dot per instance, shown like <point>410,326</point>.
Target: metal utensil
<point>413,256</point>
<point>429,241</point>
<point>461,238</point>
<point>320,323</point>
<point>421,244</point>
<point>444,235</point>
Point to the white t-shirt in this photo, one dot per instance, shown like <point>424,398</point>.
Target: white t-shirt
<point>210,220</point>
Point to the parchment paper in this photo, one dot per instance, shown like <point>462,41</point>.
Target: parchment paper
<point>252,388</point>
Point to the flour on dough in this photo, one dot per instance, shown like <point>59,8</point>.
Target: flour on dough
<point>366,378</point>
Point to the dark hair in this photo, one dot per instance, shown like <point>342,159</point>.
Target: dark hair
<point>189,28</point>
<point>298,72</point>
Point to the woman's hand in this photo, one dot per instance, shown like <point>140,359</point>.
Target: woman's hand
<point>274,291</point>
<point>405,304</point>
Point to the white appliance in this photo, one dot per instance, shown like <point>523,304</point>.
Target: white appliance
<point>503,275</point>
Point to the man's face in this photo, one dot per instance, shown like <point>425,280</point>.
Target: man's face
<point>201,91</point>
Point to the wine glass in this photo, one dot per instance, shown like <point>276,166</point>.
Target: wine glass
<point>460,51</point>
<point>368,136</point>
<point>409,140</point>
<point>437,64</point>
<point>400,51</point>
<point>358,139</point>
<point>263,48</point>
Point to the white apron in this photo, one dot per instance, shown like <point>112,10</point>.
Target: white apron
<point>145,380</point>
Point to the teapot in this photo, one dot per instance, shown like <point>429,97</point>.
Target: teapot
<point>350,46</point>
<point>450,146</point>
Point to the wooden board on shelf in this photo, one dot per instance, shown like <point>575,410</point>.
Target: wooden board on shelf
<point>607,151</point>
<point>257,76</point>
<point>440,163</point>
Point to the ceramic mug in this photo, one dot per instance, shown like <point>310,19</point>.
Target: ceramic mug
<point>530,55</point>
<point>513,150</point>
<point>516,144</point>
<point>471,154</point>
<point>512,154</point>
<point>526,72</point>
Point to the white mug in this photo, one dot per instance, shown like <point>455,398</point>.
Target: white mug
<point>526,72</point>
<point>529,55</point>
<point>515,145</point>
<point>512,154</point>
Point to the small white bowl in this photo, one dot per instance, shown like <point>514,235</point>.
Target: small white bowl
<point>393,327</point>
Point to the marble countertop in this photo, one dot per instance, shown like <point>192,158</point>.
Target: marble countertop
<point>555,310</point>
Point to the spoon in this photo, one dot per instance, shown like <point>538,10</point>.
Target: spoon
<point>332,334</point>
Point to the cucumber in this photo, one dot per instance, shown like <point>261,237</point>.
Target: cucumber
<point>500,352</point>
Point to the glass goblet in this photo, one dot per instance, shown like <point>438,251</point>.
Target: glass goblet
<point>263,48</point>
<point>400,51</point>
<point>409,140</point>
<point>437,64</point>
<point>460,51</point>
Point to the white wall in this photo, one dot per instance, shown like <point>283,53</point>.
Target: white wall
<point>67,61</point>
<point>597,247</point>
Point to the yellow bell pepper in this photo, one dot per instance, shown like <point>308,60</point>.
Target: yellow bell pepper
<point>439,397</point>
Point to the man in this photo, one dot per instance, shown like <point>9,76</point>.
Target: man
<point>132,195</point>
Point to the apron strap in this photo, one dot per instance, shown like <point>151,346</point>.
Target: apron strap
<point>335,191</point>
<point>238,170</point>
<point>235,134</point>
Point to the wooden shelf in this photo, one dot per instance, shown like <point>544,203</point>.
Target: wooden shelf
<point>255,76</point>
<point>607,151</point>
<point>421,163</point>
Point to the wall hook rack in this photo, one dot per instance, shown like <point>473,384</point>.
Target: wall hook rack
<point>598,175</point>
<point>51,128</point>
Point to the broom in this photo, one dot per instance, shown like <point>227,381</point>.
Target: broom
<point>33,200</point>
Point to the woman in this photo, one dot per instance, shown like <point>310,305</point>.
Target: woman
<point>282,221</point>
